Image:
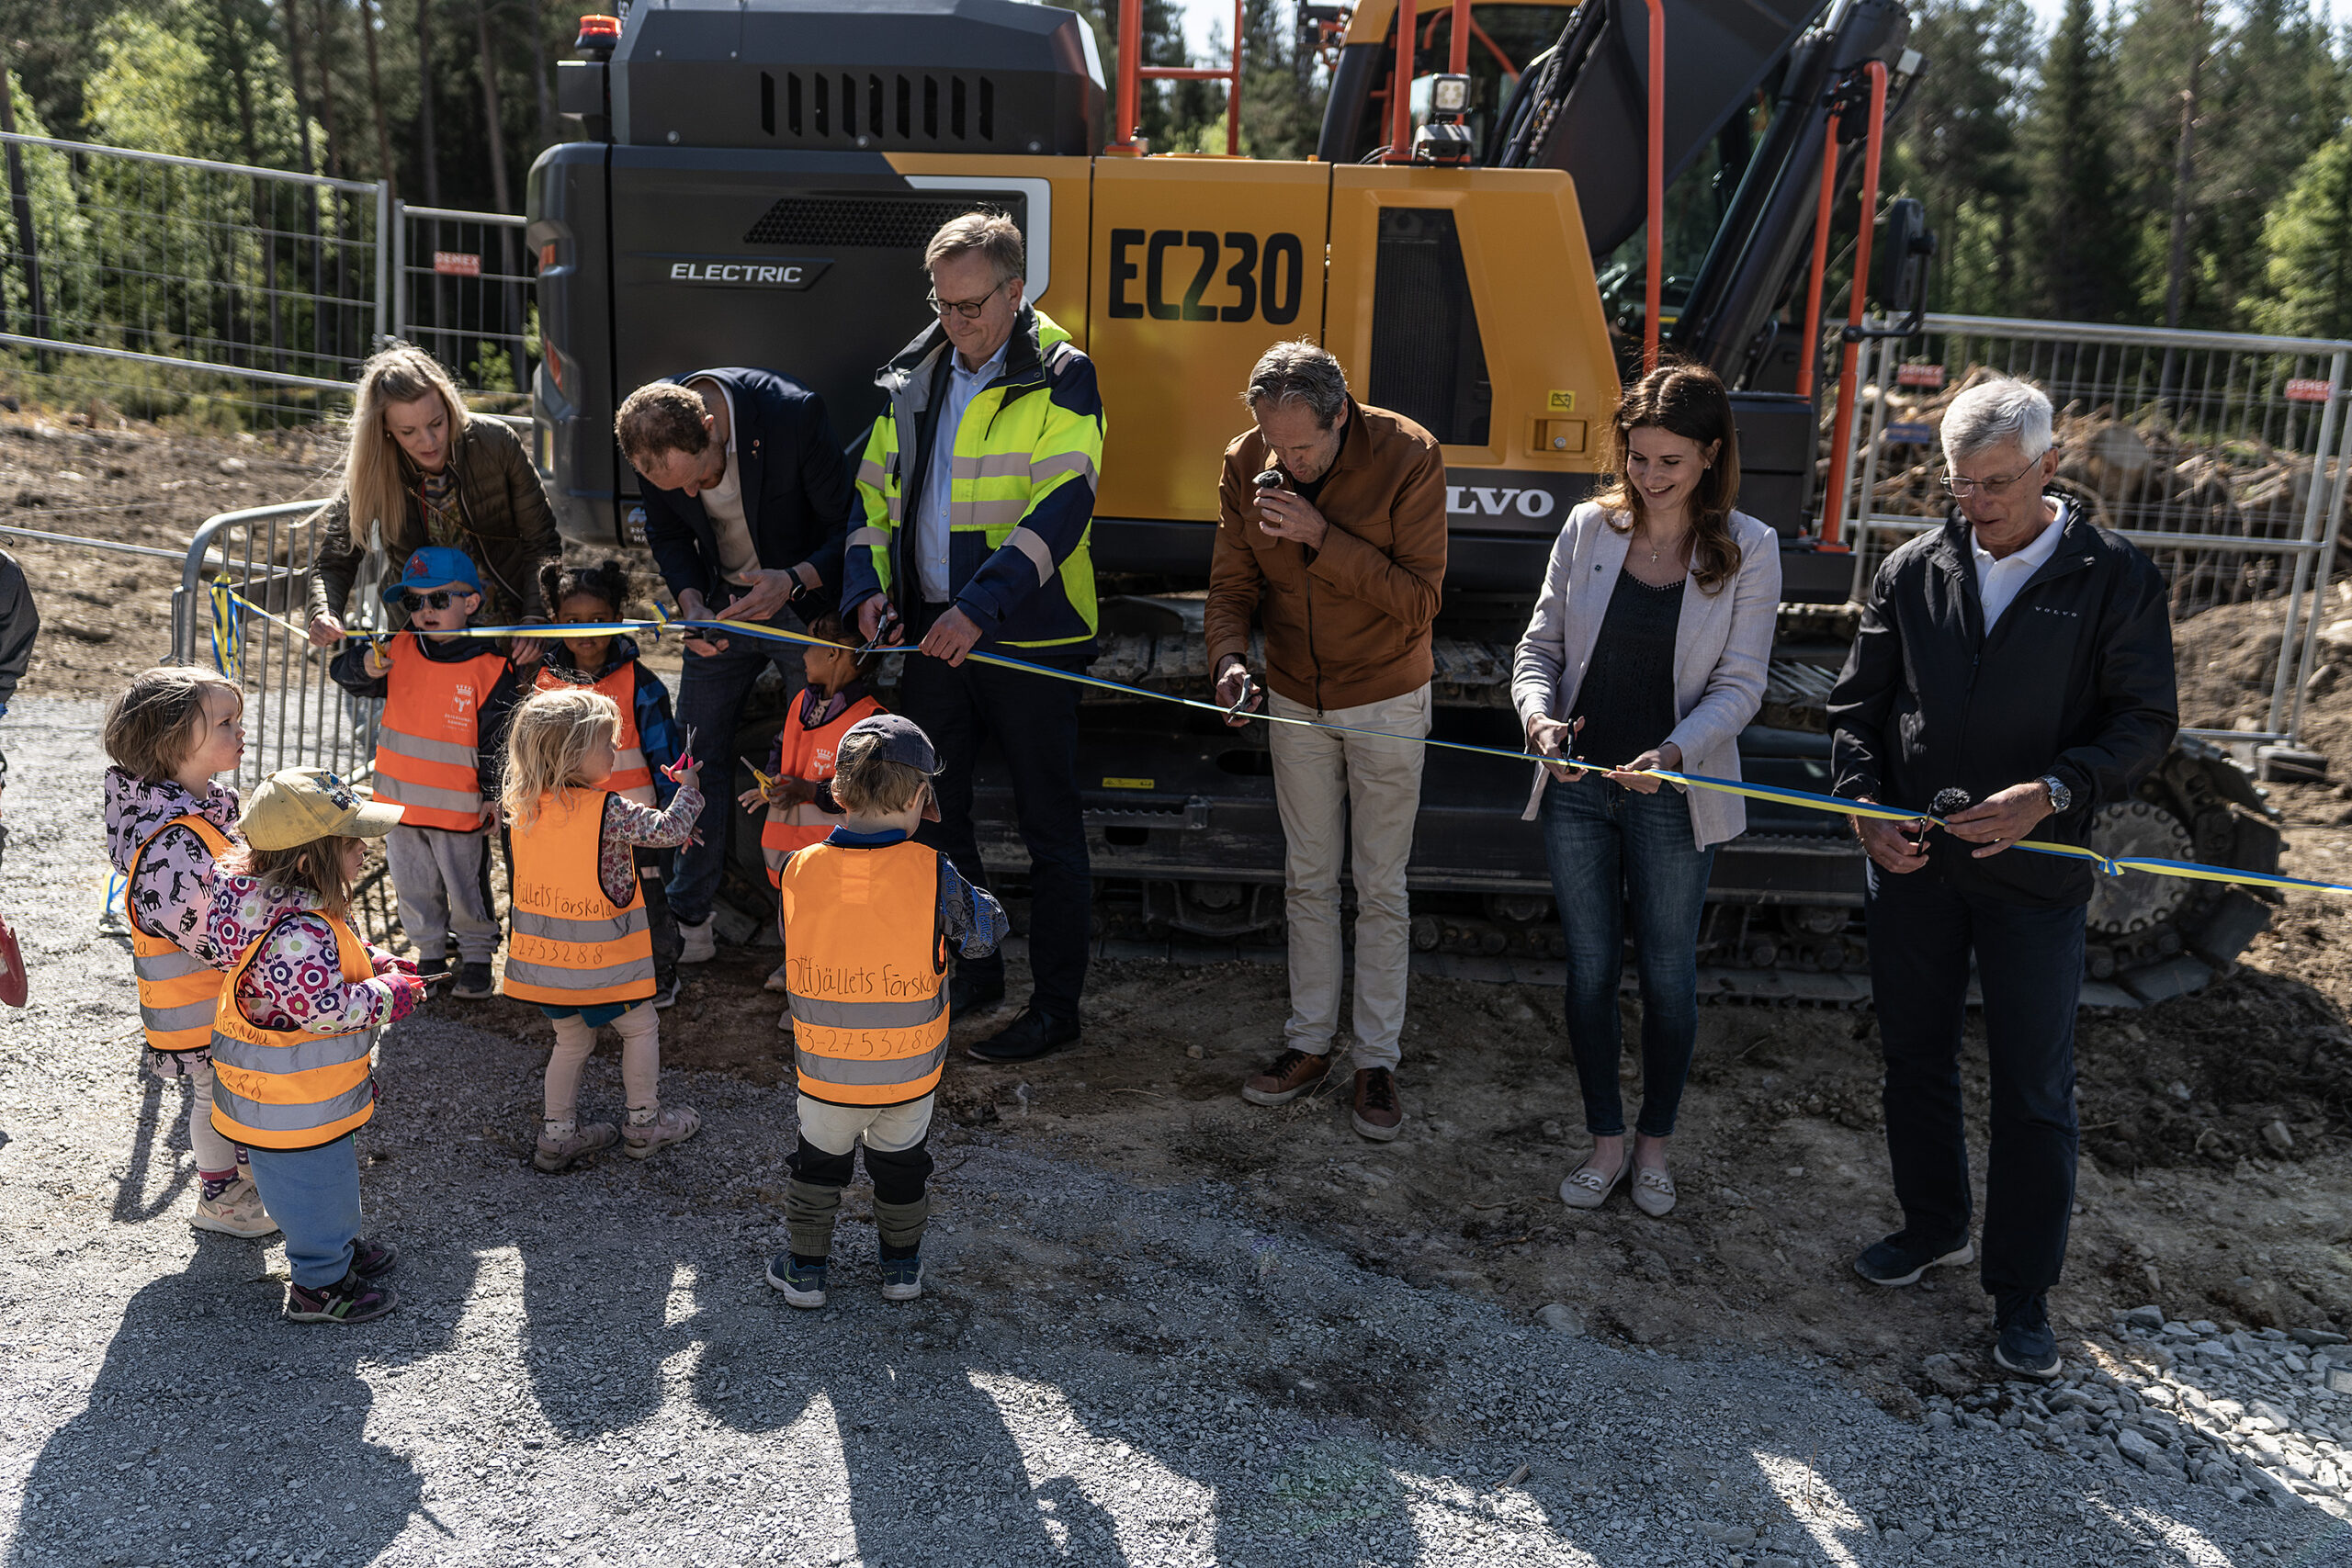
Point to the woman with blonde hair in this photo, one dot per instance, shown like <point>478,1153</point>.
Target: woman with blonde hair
<point>422,470</point>
<point>1646,653</point>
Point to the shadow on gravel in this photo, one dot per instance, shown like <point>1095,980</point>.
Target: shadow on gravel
<point>159,1140</point>
<point>253,1454</point>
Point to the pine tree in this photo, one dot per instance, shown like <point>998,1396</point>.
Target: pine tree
<point>2308,238</point>
<point>2079,234</point>
<point>1961,139</point>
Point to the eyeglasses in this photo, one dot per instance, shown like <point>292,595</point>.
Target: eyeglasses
<point>968,308</point>
<point>440,599</point>
<point>1955,485</point>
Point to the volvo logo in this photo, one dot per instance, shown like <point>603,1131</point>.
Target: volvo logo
<point>1489,501</point>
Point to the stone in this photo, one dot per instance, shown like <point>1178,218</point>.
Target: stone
<point>1561,1318</point>
<point>2276,1134</point>
<point>2315,1336</point>
<point>2131,1445</point>
<point>1948,1375</point>
<point>2072,1399</point>
<point>232,465</point>
<point>1728,1535</point>
<point>2151,1318</point>
<point>2339,1380</point>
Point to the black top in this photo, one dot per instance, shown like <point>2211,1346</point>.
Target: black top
<point>2075,679</point>
<point>1626,698</point>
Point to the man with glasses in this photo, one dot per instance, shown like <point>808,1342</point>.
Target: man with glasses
<point>747,501</point>
<point>2013,675</point>
<point>978,490</point>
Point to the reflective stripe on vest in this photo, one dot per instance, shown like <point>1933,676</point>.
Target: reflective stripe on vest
<point>865,961</point>
<point>632,776</point>
<point>178,992</point>
<point>427,747</point>
<point>571,946</point>
<point>807,754</point>
<point>291,1088</point>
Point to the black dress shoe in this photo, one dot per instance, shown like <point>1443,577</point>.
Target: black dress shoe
<point>970,991</point>
<point>1026,1038</point>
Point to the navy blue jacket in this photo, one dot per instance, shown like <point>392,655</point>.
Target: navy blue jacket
<point>797,491</point>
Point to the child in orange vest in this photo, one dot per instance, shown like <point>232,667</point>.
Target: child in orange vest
<point>798,814</point>
<point>167,824</point>
<point>582,946</point>
<point>446,700</point>
<point>607,663</point>
<point>869,917</point>
<point>293,1037</point>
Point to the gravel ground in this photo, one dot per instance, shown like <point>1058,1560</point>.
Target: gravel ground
<point>590,1369</point>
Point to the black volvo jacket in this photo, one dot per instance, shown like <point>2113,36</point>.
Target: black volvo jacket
<point>2075,680</point>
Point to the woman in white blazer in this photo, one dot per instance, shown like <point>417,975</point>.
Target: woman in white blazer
<point>1647,649</point>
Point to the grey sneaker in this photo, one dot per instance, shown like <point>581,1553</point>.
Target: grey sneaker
<point>474,983</point>
<point>674,1125</point>
<point>551,1156</point>
<point>237,1211</point>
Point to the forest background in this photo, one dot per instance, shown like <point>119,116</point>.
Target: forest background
<point>2161,162</point>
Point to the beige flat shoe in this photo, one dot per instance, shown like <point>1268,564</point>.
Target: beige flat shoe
<point>1653,1192</point>
<point>1588,1188</point>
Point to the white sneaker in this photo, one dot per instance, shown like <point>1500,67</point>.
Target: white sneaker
<point>783,1020</point>
<point>237,1211</point>
<point>778,980</point>
<point>701,946</point>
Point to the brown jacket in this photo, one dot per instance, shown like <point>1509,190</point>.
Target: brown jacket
<point>510,529</point>
<point>1349,624</point>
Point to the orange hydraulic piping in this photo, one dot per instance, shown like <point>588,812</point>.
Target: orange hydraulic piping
<point>1849,358</point>
<point>1400,95</point>
<point>1458,36</point>
<point>1811,363</point>
<point>1233,91</point>
<point>1130,40</point>
<point>1654,302</point>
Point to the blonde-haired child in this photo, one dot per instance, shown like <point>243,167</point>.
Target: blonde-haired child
<point>167,826</point>
<point>581,944</point>
<point>294,1033</point>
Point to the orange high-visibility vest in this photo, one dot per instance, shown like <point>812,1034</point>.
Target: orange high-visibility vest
<point>289,1088</point>
<point>807,754</point>
<point>571,945</point>
<point>865,958</point>
<point>178,992</point>
<point>428,745</point>
<point>631,774</point>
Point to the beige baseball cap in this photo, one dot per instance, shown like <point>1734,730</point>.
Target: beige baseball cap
<point>299,805</point>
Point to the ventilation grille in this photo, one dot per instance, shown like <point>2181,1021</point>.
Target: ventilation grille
<point>866,109</point>
<point>872,222</point>
<point>1428,362</point>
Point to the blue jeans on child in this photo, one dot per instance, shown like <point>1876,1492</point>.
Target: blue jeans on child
<point>313,1194</point>
<point>1610,847</point>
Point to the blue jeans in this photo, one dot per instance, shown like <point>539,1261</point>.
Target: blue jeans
<point>1610,848</point>
<point>313,1194</point>
<point>710,704</point>
<point>2030,963</point>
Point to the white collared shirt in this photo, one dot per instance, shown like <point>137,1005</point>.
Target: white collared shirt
<point>1998,582</point>
<point>938,487</point>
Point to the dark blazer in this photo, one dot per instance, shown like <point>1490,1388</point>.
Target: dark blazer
<point>2075,680</point>
<point>796,491</point>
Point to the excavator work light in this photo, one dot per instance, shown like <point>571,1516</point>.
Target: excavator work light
<point>1449,97</point>
<point>599,34</point>
<point>1446,138</point>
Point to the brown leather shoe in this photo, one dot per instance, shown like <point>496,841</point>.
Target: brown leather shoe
<point>1286,1077</point>
<point>1378,1114</point>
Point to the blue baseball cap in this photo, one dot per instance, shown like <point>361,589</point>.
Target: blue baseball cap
<point>435,566</point>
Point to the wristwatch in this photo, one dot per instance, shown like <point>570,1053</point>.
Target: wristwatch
<point>2059,796</point>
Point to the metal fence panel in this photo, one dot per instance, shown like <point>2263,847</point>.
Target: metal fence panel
<point>461,287</point>
<point>2222,455</point>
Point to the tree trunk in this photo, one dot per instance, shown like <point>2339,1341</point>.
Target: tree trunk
<point>240,78</point>
<point>428,155</point>
<point>541,76</point>
<point>489,63</point>
<point>2184,168</point>
<point>384,169</point>
<point>327,146</point>
<point>293,15</point>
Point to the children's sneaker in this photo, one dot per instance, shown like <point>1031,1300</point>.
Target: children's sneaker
<point>474,983</point>
<point>901,1279</point>
<point>372,1259</point>
<point>238,1211</point>
<point>349,1300</point>
<point>784,1020</point>
<point>779,979</point>
<point>803,1284</point>
<point>665,994</point>
<point>699,939</point>
<point>553,1155</point>
<point>674,1125</point>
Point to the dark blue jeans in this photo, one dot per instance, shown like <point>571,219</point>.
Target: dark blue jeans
<point>1611,848</point>
<point>2029,965</point>
<point>710,704</point>
<point>1033,721</point>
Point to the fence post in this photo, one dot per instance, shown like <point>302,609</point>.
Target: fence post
<point>400,268</point>
<point>384,220</point>
<point>2286,685</point>
<point>2330,520</point>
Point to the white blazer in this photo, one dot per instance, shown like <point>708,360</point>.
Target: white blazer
<point>1722,648</point>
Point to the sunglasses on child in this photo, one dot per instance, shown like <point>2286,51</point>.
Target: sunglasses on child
<point>440,599</point>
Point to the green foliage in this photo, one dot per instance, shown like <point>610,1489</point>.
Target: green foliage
<point>2307,281</point>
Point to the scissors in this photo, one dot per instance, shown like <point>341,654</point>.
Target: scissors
<point>1248,695</point>
<point>685,759</point>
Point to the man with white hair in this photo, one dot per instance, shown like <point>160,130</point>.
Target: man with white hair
<point>2013,674</point>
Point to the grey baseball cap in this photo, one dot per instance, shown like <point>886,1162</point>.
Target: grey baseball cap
<point>902,741</point>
